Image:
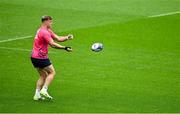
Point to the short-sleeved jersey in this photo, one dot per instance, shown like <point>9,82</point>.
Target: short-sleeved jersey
<point>41,41</point>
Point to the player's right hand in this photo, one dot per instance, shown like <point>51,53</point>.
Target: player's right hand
<point>70,37</point>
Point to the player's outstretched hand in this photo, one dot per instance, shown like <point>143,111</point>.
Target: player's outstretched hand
<point>70,37</point>
<point>67,48</point>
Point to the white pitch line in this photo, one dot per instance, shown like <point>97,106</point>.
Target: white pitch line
<point>15,49</point>
<point>164,14</point>
<point>13,39</point>
<point>19,49</point>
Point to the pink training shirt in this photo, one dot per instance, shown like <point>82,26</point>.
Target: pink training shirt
<point>41,41</point>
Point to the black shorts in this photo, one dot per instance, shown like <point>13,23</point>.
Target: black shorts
<point>40,63</point>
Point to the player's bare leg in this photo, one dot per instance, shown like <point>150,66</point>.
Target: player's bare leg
<point>40,83</point>
<point>43,74</point>
<point>51,73</point>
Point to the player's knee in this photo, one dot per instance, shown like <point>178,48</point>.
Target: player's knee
<point>43,77</point>
<point>53,73</point>
<point>51,76</point>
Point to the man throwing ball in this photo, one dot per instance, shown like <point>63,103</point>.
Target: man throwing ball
<point>39,57</point>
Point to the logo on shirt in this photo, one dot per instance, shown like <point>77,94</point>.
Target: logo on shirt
<point>41,53</point>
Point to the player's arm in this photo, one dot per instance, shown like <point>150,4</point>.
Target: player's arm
<point>63,38</point>
<point>58,46</point>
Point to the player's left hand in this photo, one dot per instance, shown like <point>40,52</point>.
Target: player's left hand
<point>70,37</point>
<point>67,48</point>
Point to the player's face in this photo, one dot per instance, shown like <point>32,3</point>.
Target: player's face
<point>49,23</point>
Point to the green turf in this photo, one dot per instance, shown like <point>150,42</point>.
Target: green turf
<point>138,70</point>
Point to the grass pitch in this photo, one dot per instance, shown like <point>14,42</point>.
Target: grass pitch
<point>138,70</point>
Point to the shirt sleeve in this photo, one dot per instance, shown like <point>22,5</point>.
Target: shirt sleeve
<point>52,33</point>
<point>47,37</point>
